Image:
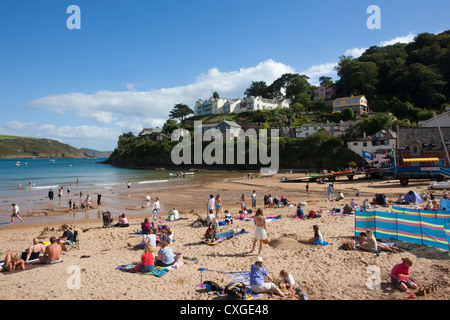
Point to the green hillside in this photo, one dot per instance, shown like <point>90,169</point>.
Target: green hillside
<point>24,147</point>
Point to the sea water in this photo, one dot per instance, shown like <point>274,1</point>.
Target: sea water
<point>26,180</point>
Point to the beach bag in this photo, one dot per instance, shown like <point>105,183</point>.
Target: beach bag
<point>312,214</point>
<point>235,289</point>
<point>212,286</point>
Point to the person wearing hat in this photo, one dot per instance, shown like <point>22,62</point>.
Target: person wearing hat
<point>257,284</point>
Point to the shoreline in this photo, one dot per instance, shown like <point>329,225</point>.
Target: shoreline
<point>325,272</point>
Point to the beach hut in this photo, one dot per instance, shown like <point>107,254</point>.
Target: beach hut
<point>414,197</point>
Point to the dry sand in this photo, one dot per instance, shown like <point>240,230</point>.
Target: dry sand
<point>325,272</point>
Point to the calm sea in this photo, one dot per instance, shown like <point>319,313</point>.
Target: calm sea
<point>32,178</point>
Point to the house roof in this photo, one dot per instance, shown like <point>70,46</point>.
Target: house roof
<point>231,123</point>
<point>428,137</point>
<point>346,98</point>
<point>423,123</point>
<point>147,131</point>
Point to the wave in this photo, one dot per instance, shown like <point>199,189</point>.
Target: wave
<point>153,181</point>
<point>43,187</point>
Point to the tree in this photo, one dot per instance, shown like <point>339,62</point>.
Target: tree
<point>180,111</point>
<point>215,95</point>
<point>347,114</point>
<point>257,88</point>
<point>325,81</point>
<point>288,86</point>
<point>170,126</point>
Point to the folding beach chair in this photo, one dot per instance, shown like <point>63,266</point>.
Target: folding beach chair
<point>75,244</point>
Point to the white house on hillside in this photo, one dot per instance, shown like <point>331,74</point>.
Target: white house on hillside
<point>375,148</point>
<point>228,106</point>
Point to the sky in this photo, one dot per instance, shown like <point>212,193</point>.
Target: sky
<point>128,63</point>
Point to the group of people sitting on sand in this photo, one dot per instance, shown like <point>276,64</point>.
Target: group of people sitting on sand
<point>154,236</point>
<point>270,202</point>
<point>37,252</point>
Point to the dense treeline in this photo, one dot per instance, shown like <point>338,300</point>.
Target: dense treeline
<point>409,80</point>
<point>319,150</point>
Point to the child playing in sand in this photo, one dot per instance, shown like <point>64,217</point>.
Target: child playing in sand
<point>287,279</point>
<point>400,275</point>
<point>228,218</point>
<point>300,294</point>
<point>300,212</point>
<point>318,237</point>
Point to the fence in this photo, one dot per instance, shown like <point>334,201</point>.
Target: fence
<point>431,228</point>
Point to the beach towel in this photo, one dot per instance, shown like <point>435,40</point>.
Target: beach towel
<point>320,242</point>
<point>270,218</point>
<point>32,265</point>
<point>131,268</point>
<point>227,235</point>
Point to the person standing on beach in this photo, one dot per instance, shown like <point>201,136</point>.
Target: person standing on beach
<point>242,202</point>
<point>307,189</point>
<point>50,194</point>
<point>68,190</point>
<point>260,230</point>
<point>99,199</point>
<point>210,204</point>
<point>15,213</point>
<point>218,205</point>
<point>156,207</point>
<point>253,200</point>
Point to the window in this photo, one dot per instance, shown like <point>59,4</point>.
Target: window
<point>415,150</point>
<point>337,103</point>
<point>355,144</point>
<point>365,144</point>
<point>347,102</point>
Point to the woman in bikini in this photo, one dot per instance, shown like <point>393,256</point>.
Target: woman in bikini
<point>260,229</point>
<point>218,205</point>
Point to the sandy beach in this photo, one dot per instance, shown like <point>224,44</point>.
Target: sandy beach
<point>324,272</point>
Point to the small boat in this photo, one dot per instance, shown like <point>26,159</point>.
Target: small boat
<point>180,174</point>
<point>17,163</point>
<point>68,165</point>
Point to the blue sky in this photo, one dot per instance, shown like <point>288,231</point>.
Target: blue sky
<point>132,61</point>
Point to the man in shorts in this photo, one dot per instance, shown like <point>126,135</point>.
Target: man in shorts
<point>53,252</point>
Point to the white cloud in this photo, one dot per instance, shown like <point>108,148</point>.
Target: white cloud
<point>405,39</point>
<point>116,112</point>
<point>316,71</point>
<point>154,106</point>
<point>355,52</point>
